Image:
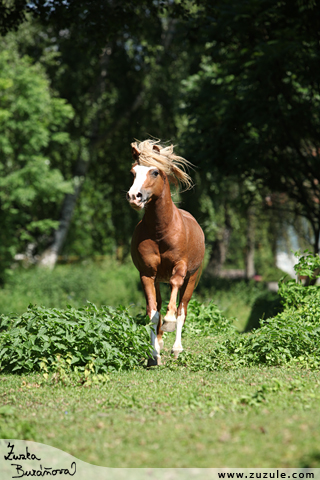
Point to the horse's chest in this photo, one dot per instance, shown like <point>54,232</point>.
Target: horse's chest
<point>165,267</point>
<point>155,257</point>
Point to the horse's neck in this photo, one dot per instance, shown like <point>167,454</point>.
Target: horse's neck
<point>159,213</point>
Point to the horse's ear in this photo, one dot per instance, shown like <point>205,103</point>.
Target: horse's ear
<point>155,147</point>
<point>135,153</point>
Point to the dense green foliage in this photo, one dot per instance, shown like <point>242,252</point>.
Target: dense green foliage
<point>107,338</point>
<point>32,132</point>
<point>290,337</point>
<point>206,320</point>
<point>260,70</point>
<point>234,84</point>
<point>114,339</point>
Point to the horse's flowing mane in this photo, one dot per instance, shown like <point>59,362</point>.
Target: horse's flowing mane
<point>150,154</point>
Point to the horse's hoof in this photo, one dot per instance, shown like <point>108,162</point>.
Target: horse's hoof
<point>176,353</point>
<point>153,362</point>
<point>168,326</point>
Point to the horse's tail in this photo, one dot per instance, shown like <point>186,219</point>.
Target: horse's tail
<point>199,273</point>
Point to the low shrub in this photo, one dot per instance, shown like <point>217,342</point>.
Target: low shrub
<point>291,337</point>
<point>108,338</point>
<point>294,334</point>
<point>205,320</point>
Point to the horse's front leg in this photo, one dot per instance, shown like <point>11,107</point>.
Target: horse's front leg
<point>176,282</point>
<point>152,311</point>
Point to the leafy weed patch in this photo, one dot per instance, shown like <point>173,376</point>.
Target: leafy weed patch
<point>292,337</point>
<point>106,339</point>
<point>96,341</point>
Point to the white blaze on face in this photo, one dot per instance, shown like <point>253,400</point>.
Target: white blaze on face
<point>141,176</point>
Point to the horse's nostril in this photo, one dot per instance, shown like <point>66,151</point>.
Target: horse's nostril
<point>128,196</point>
<point>139,195</point>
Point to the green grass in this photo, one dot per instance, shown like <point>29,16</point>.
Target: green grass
<point>111,283</point>
<point>230,400</point>
<point>103,283</point>
<point>249,417</point>
<point>171,415</point>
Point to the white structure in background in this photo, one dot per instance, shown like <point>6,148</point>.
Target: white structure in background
<point>286,261</point>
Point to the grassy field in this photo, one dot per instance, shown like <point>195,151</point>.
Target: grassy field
<point>103,283</point>
<point>248,417</point>
<point>206,410</point>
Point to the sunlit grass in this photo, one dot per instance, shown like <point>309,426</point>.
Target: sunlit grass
<point>170,415</point>
<point>247,417</point>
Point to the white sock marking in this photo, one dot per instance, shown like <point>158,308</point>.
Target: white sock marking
<point>177,346</point>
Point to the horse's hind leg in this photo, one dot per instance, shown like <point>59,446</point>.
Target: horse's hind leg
<point>151,298</point>
<point>185,296</point>
<point>159,303</point>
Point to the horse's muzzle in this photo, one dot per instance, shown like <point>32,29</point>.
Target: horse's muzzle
<point>136,205</point>
<point>136,201</point>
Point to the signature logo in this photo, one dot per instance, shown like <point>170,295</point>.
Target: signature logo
<point>40,471</point>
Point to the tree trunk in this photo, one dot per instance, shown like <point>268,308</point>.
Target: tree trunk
<point>249,260</point>
<point>50,256</point>
<point>220,248</point>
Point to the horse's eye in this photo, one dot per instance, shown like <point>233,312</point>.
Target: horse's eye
<point>155,173</point>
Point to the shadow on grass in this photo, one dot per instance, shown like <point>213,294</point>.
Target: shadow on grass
<point>267,305</point>
<point>261,302</point>
<point>310,460</point>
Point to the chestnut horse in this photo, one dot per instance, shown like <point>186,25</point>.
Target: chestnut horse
<point>168,243</point>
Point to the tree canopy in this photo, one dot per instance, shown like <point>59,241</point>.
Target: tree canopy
<point>33,125</point>
<point>260,69</point>
<point>234,83</point>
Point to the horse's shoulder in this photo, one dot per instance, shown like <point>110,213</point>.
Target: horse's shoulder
<point>186,215</point>
<point>142,234</point>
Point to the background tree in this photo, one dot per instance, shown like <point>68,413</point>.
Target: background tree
<point>234,84</point>
<point>32,132</point>
<point>253,104</point>
<point>121,81</point>
<point>12,14</point>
